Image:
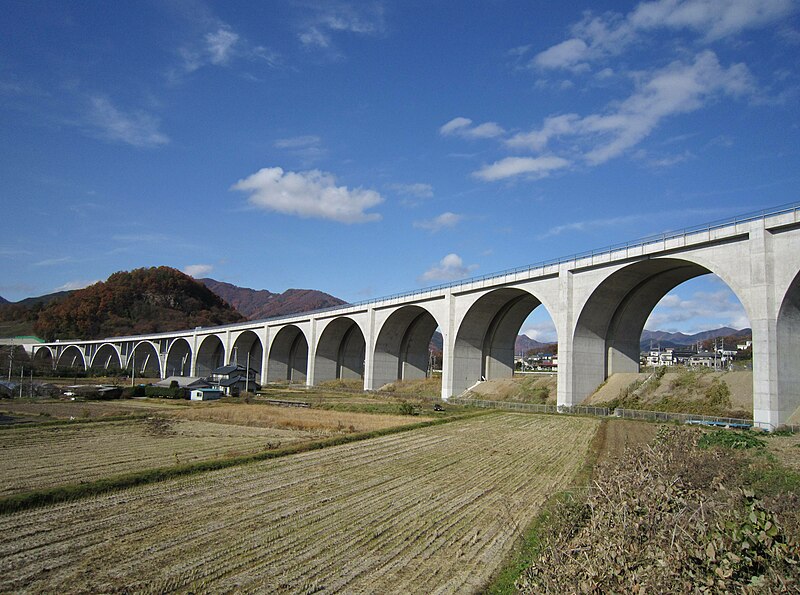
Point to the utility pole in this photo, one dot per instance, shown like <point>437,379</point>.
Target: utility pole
<point>247,375</point>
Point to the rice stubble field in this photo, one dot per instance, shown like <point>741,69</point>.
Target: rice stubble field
<point>432,510</point>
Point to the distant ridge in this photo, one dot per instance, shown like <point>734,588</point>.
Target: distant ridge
<point>260,303</point>
<point>667,339</point>
<point>3,300</point>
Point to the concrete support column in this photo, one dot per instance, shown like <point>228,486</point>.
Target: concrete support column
<point>264,337</point>
<point>369,352</point>
<point>449,332</point>
<point>763,321</point>
<point>312,354</point>
<point>193,367</point>
<point>564,321</point>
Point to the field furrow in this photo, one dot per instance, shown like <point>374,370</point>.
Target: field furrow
<point>431,510</point>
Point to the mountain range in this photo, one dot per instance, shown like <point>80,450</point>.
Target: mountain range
<point>676,340</point>
<point>256,304</point>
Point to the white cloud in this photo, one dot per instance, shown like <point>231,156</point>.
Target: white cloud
<point>417,190</point>
<point>594,224</point>
<point>297,142</point>
<point>73,285</point>
<point>220,45</point>
<point>49,262</point>
<point>308,148</point>
<point>198,270</point>
<point>704,310</point>
<point>445,220</point>
<point>463,127</point>
<point>138,128</point>
<point>597,37</point>
<point>567,54</point>
<point>333,17</point>
<point>712,18</point>
<point>678,88</point>
<point>309,194</point>
<point>544,332</point>
<point>533,167</point>
<point>450,268</point>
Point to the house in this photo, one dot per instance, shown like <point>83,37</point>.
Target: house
<point>205,394</point>
<point>234,378</point>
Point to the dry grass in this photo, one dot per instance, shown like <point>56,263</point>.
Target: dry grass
<point>523,388</point>
<point>293,418</point>
<point>58,409</point>
<point>432,510</point>
<point>42,457</point>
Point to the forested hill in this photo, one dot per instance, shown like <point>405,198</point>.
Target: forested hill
<point>141,301</point>
<point>260,303</point>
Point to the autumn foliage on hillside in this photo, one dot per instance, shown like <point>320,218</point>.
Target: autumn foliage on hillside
<point>145,300</point>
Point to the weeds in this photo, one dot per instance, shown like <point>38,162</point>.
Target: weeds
<point>672,517</point>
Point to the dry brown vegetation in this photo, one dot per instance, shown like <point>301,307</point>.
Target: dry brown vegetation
<point>42,457</point>
<point>61,409</point>
<point>317,421</point>
<point>680,390</point>
<point>522,388</point>
<point>431,510</point>
<point>677,517</point>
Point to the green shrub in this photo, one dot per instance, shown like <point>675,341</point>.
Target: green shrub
<point>730,439</point>
<point>407,408</point>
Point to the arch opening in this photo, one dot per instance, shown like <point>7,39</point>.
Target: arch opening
<point>71,359</point>
<point>288,356</point>
<point>107,359</point>
<point>43,360</point>
<point>609,331</point>
<point>484,347</point>
<point>788,353</point>
<point>340,352</point>
<point>210,355</point>
<point>402,349</point>
<point>144,361</point>
<point>179,358</point>
<point>247,352</point>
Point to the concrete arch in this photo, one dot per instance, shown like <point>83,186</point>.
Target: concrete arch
<point>788,350</point>
<point>179,358</point>
<point>484,343</point>
<point>71,357</point>
<point>401,348</point>
<point>107,357</point>
<point>340,351</point>
<point>144,360</point>
<point>43,357</point>
<point>248,347</point>
<point>609,327</point>
<point>288,356</point>
<point>210,355</point>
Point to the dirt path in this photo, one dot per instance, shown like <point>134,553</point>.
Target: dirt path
<point>618,434</point>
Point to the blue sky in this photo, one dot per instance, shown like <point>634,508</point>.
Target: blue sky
<point>368,148</point>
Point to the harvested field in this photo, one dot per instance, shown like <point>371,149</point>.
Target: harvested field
<point>42,457</point>
<point>310,420</point>
<point>58,409</point>
<point>431,510</point>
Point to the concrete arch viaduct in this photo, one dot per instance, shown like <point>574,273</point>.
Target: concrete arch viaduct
<point>599,302</point>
